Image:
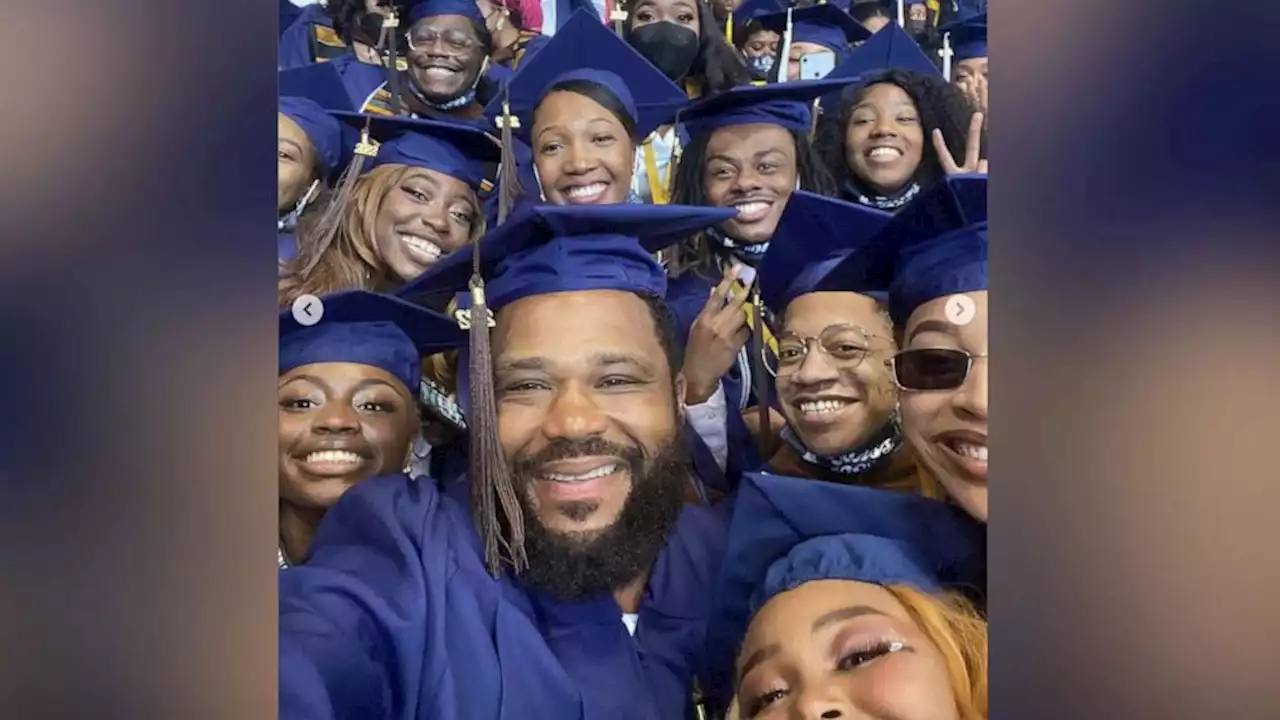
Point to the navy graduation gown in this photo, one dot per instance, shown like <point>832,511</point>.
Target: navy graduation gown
<point>395,616</point>
<point>295,47</point>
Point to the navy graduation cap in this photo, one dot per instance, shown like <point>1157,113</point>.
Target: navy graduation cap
<point>327,135</point>
<point>787,531</point>
<point>825,24</point>
<point>460,151</point>
<point>934,246</point>
<point>891,48</point>
<point>784,104</point>
<point>565,248</point>
<point>307,94</point>
<point>436,8</point>
<point>584,49</point>
<point>814,233</point>
<point>369,328</point>
<point>968,37</point>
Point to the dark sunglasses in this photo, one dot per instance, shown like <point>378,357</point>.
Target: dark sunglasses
<point>932,368</point>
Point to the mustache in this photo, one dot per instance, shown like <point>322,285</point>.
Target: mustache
<point>526,466</point>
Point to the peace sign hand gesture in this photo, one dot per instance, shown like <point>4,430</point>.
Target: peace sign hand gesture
<point>973,147</point>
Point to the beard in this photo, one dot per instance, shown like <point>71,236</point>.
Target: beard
<point>577,565</point>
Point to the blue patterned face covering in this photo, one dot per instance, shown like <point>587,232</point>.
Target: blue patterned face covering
<point>881,202</point>
<point>869,455</point>
<point>760,66</point>
<point>749,254</point>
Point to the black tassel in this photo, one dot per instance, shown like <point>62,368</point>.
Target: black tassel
<point>493,496</point>
<point>389,25</point>
<point>760,378</point>
<point>508,177</point>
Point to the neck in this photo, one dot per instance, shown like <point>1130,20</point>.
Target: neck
<point>628,597</point>
<point>297,527</point>
<point>419,105</point>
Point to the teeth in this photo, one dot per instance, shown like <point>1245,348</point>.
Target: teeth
<point>426,247</point>
<point>334,456</point>
<point>977,452</point>
<point>586,191</point>
<point>752,208</point>
<point>884,152</point>
<point>440,72</point>
<point>590,475</point>
<point>818,407</point>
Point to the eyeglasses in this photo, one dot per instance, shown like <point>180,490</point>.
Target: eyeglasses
<point>846,345</point>
<point>932,368</point>
<point>423,37</point>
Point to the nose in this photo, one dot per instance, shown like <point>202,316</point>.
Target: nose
<point>436,218</point>
<point>573,415</point>
<point>746,181</point>
<point>580,160</point>
<point>815,368</point>
<point>884,127</point>
<point>336,418</point>
<point>824,704</point>
<point>970,400</point>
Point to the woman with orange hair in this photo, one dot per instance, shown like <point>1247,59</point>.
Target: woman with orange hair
<point>847,602</point>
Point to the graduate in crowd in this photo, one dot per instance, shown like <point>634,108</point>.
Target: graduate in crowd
<point>872,15</point>
<point>311,145</point>
<point>749,150</point>
<point>448,49</point>
<point>757,43</point>
<point>578,582</point>
<point>681,38</point>
<point>582,106</point>
<point>347,394</point>
<point>937,249</point>
<point>418,201</point>
<point>833,381</point>
<point>901,129</point>
<point>339,30</point>
<point>921,21</point>
<point>516,28</point>
<point>968,43</point>
<point>816,39</point>
<point>847,602</point>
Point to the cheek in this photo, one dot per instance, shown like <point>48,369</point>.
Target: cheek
<point>907,687</point>
<point>920,412</point>
<point>290,427</point>
<point>548,170</point>
<point>518,427</point>
<point>389,435</point>
<point>619,160</point>
<point>716,190</point>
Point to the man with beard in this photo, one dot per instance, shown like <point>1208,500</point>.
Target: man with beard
<point>448,54</point>
<point>577,582</point>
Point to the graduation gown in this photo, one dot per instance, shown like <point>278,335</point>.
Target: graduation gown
<point>308,39</point>
<point>395,616</point>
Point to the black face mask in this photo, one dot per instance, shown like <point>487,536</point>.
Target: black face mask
<point>670,47</point>
<point>916,28</point>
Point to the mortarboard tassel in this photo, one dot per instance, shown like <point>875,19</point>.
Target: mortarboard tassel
<point>490,476</point>
<point>389,25</point>
<point>327,227</point>
<point>759,376</point>
<point>508,178</point>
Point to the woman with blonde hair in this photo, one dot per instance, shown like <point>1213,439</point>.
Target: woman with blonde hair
<point>840,601</point>
<point>419,201</point>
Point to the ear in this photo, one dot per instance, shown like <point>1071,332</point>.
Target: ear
<point>678,386</point>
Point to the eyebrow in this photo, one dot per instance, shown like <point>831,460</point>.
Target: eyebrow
<point>758,657</point>
<point>606,117</point>
<point>425,176</point>
<point>308,378</point>
<point>931,326</point>
<point>598,359</point>
<point>836,616</point>
<point>754,156</point>
<point>295,145</point>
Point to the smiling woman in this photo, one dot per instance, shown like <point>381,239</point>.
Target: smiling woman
<point>380,229</point>
<point>347,396</point>
<point>840,604</point>
<point>583,103</point>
